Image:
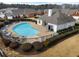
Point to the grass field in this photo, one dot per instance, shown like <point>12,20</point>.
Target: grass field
<point>68,47</point>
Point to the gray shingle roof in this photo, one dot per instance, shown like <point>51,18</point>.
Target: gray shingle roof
<point>17,12</point>
<point>69,11</point>
<point>57,18</point>
<point>66,11</point>
<point>22,11</point>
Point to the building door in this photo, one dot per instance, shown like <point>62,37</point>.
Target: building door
<point>50,27</point>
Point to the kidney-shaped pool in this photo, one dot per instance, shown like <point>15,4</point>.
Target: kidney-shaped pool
<point>25,29</point>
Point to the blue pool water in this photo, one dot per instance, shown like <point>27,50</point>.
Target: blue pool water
<point>25,29</point>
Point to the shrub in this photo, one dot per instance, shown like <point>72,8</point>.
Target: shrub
<point>37,46</point>
<point>26,47</point>
<point>6,22</point>
<point>14,45</point>
<point>46,43</point>
<point>6,42</point>
<point>2,20</point>
<point>23,19</point>
<point>2,25</point>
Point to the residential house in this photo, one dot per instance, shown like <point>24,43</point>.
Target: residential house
<point>21,12</point>
<point>2,15</point>
<point>66,11</point>
<point>6,13</point>
<point>75,15</point>
<point>15,12</point>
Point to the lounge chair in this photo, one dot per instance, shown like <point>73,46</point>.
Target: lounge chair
<point>8,34</point>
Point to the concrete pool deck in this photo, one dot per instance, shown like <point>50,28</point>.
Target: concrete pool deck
<point>42,32</point>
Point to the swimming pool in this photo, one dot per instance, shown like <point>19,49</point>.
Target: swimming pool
<point>25,29</point>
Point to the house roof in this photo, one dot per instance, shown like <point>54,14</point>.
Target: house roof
<point>7,11</point>
<point>57,18</point>
<point>18,11</point>
<point>66,11</point>
<point>76,13</point>
<point>22,11</point>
